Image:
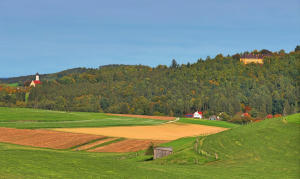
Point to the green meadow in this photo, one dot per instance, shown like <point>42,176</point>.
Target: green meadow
<point>25,118</point>
<point>267,149</point>
<point>13,84</point>
<point>208,122</point>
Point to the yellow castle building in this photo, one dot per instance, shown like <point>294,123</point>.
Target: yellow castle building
<point>251,58</point>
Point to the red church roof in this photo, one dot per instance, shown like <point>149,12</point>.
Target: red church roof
<point>37,81</point>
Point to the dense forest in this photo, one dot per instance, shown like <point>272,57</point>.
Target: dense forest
<point>213,85</point>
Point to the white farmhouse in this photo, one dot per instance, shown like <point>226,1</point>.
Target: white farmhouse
<point>198,115</point>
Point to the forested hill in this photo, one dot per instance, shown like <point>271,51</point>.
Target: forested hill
<point>52,76</point>
<point>222,84</point>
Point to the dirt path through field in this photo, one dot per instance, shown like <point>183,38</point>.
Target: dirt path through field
<point>157,132</point>
<point>44,138</point>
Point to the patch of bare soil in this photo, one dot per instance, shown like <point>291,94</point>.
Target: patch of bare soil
<point>170,131</point>
<point>128,145</point>
<point>44,138</point>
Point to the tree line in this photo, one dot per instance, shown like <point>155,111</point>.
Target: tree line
<point>214,85</point>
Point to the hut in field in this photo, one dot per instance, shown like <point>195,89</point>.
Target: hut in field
<point>160,152</point>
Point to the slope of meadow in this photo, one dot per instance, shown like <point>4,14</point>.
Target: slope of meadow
<point>208,122</point>
<point>267,149</point>
<point>35,118</point>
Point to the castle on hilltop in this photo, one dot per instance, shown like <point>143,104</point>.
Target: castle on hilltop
<point>252,58</point>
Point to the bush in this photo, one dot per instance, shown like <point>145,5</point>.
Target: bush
<point>224,116</point>
<point>150,149</point>
<point>257,119</point>
<point>277,115</point>
<point>269,116</point>
<point>254,113</point>
<point>239,119</point>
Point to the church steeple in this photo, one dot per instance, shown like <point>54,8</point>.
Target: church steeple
<point>37,77</point>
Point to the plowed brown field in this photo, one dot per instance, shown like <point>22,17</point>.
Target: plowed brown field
<point>144,116</point>
<point>129,145</point>
<point>158,132</point>
<point>44,138</point>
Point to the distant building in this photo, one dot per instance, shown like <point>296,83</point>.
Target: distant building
<point>214,118</point>
<point>189,115</point>
<point>198,115</point>
<point>251,58</point>
<point>160,152</point>
<point>36,81</point>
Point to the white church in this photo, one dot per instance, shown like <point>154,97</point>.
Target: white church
<point>36,81</point>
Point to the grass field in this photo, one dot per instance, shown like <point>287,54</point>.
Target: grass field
<point>13,84</point>
<point>208,122</point>
<point>267,149</point>
<point>295,118</point>
<point>25,118</point>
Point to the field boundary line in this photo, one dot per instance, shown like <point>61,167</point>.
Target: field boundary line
<point>177,119</point>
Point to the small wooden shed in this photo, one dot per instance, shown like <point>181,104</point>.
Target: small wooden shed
<point>160,152</point>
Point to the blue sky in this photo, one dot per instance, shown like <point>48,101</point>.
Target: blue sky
<point>48,36</point>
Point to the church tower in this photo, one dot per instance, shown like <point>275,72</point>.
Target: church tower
<point>37,77</point>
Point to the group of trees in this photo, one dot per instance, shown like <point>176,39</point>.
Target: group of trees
<point>221,84</point>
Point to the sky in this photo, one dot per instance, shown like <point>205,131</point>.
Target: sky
<point>48,36</point>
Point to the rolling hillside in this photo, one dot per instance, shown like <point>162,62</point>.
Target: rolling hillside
<point>267,149</point>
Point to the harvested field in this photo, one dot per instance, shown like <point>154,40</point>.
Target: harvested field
<point>129,145</point>
<point>44,138</point>
<point>87,146</point>
<point>167,118</point>
<point>159,132</point>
